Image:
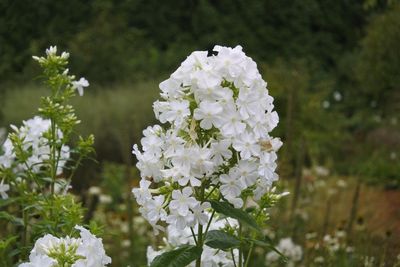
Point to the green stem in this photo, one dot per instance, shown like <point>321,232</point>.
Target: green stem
<point>209,194</point>
<point>233,258</point>
<point>209,222</point>
<point>53,155</point>
<point>249,254</point>
<point>200,227</point>
<point>25,232</point>
<point>199,243</point>
<point>240,247</point>
<point>194,236</point>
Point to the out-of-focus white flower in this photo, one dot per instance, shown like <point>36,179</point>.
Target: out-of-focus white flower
<point>311,235</point>
<point>3,189</point>
<point>321,171</point>
<point>341,183</point>
<point>126,243</point>
<point>79,85</point>
<point>337,96</point>
<point>105,199</point>
<point>290,250</point>
<point>94,190</point>
<point>319,259</point>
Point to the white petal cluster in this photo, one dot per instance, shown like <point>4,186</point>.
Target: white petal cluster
<point>87,250</point>
<point>217,115</point>
<point>290,250</point>
<point>3,189</point>
<point>32,132</point>
<point>209,258</point>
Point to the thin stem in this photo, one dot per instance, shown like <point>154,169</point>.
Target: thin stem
<point>212,190</point>
<point>25,232</point>
<point>199,243</point>
<point>209,222</point>
<point>69,179</point>
<point>53,155</point>
<point>249,254</point>
<point>200,227</point>
<point>240,247</point>
<point>233,258</point>
<point>194,235</point>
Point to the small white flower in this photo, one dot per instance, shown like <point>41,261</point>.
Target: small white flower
<point>79,85</point>
<point>3,189</point>
<point>247,144</point>
<point>199,213</point>
<point>51,51</point>
<point>182,201</point>
<point>232,185</point>
<point>142,194</point>
<point>208,114</point>
<point>220,151</point>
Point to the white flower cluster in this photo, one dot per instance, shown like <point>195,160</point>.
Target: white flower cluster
<point>209,258</point>
<point>32,132</point>
<point>86,251</point>
<point>337,241</point>
<point>291,251</point>
<point>219,115</point>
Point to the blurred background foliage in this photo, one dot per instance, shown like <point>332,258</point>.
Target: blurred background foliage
<point>332,66</point>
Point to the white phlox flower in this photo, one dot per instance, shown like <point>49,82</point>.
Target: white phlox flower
<point>3,189</point>
<point>85,251</point>
<point>79,85</point>
<point>213,140</point>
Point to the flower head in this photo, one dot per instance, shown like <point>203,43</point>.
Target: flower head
<point>216,115</point>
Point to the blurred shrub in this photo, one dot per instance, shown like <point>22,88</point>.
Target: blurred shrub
<point>300,90</point>
<point>378,66</point>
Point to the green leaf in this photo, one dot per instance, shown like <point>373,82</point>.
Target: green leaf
<point>221,240</point>
<point>228,210</point>
<point>15,220</point>
<point>8,201</point>
<point>179,257</point>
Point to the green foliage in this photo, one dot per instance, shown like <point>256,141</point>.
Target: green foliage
<point>221,240</point>
<point>228,210</point>
<point>179,257</point>
<point>379,62</point>
<point>58,214</point>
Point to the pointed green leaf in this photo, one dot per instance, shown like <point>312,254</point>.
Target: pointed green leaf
<point>221,240</point>
<point>228,210</point>
<point>15,220</point>
<point>180,257</point>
